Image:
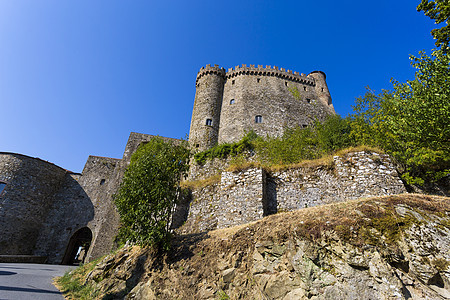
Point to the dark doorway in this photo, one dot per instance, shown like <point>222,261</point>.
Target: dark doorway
<point>78,247</point>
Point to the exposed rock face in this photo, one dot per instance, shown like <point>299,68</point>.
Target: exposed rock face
<point>393,247</point>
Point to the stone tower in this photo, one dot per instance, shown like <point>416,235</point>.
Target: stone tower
<point>205,120</point>
<point>322,88</point>
<point>266,100</point>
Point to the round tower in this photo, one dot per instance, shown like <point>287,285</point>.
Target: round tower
<point>322,89</point>
<point>207,106</point>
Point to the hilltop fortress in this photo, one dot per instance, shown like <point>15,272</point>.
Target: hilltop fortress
<point>50,214</point>
<point>266,100</point>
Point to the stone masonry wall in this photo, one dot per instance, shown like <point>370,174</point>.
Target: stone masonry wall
<point>227,102</point>
<point>354,175</point>
<point>268,93</point>
<point>82,201</point>
<point>25,200</point>
<point>249,195</point>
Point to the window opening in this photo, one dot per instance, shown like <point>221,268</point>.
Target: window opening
<point>2,186</point>
<point>102,182</point>
<point>232,81</point>
<point>285,83</point>
<point>208,122</point>
<point>232,101</point>
<point>258,80</point>
<point>304,88</point>
<point>308,100</point>
<point>197,145</point>
<point>258,119</point>
<point>322,89</point>
<point>304,125</point>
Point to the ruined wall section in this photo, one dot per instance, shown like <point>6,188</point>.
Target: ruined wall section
<point>352,176</point>
<point>136,139</point>
<point>249,195</point>
<point>206,116</point>
<point>25,200</point>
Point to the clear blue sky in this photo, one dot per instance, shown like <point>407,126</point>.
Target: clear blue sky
<point>76,77</point>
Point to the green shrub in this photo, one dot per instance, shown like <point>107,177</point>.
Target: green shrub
<point>149,191</point>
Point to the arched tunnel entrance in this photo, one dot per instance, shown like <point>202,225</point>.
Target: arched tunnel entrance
<point>78,247</point>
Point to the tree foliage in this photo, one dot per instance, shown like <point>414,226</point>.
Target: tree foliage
<point>439,11</point>
<point>412,121</point>
<point>149,191</point>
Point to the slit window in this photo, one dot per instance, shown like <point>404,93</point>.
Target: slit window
<point>285,83</point>
<point>232,101</point>
<point>308,100</point>
<point>232,81</point>
<point>102,182</point>
<point>197,145</point>
<point>258,80</point>
<point>208,122</point>
<point>2,186</point>
<point>304,88</point>
<point>258,119</point>
<point>322,89</point>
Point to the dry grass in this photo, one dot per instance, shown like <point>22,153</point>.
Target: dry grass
<point>240,165</point>
<point>195,184</point>
<point>359,149</point>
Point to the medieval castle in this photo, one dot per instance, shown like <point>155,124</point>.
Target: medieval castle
<point>266,100</point>
<point>49,214</point>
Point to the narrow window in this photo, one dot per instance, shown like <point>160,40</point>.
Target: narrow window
<point>102,182</point>
<point>208,122</point>
<point>232,101</point>
<point>322,89</point>
<point>258,119</point>
<point>304,125</point>
<point>308,100</point>
<point>2,186</point>
<point>304,88</point>
<point>258,80</point>
<point>197,145</point>
<point>285,83</point>
<point>232,81</point>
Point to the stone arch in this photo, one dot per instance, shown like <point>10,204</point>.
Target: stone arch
<point>78,247</point>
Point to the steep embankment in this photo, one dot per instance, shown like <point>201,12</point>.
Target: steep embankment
<point>393,247</point>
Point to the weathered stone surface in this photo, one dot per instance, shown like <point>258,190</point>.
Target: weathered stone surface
<point>227,103</point>
<point>275,258</point>
<point>246,196</point>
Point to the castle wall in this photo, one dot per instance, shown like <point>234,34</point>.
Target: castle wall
<point>249,195</point>
<point>267,100</point>
<point>283,99</point>
<point>72,209</point>
<point>25,200</point>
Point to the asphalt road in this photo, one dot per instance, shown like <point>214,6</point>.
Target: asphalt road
<point>30,281</point>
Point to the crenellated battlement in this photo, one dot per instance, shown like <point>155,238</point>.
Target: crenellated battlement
<point>269,71</point>
<point>265,99</point>
<point>257,71</point>
<point>208,69</point>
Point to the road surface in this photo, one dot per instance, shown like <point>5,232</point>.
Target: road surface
<point>30,281</point>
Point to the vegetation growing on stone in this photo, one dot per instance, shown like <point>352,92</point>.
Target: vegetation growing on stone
<point>149,191</point>
<point>227,149</point>
<point>295,92</point>
<point>72,284</point>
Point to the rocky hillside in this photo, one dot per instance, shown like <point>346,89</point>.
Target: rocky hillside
<point>393,247</point>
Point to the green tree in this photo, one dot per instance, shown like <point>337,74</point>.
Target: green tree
<point>412,122</point>
<point>150,188</point>
<point>439,11</point>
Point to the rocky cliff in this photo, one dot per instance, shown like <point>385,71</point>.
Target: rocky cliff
<point>392,247</point>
